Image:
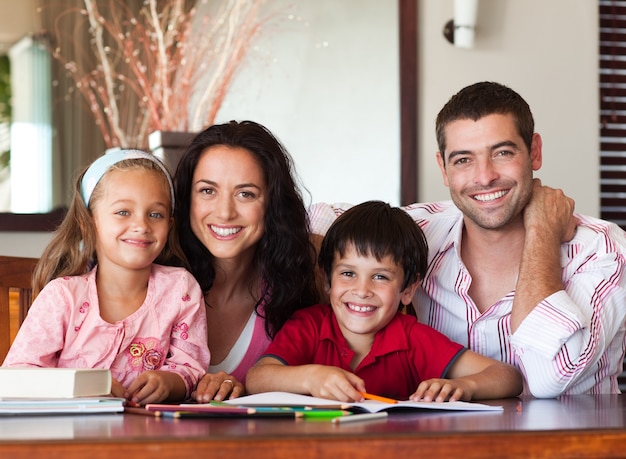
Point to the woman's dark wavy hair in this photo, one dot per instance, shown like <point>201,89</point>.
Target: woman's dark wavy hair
<point>284,257</point>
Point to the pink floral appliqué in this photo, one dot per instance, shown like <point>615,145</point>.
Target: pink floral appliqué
<point>187,297</point>
<point>144,354</point>
<point>83,307</point>
<point>182,330</point>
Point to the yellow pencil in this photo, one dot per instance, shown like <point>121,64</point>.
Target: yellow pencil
<point>378,398</point>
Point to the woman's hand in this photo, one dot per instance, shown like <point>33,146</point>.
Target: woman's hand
<point>218,386</point>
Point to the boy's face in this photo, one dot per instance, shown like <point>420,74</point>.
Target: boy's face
<point>365,293</point>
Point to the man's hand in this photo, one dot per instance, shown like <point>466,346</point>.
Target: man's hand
<point>550,213</point>
<point>549,221</point>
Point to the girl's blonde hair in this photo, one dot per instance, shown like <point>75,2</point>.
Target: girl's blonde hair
<point>72,250</point>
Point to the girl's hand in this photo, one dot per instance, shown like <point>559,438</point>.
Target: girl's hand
<point>440,390</point>
<point>156,386</point>
<point>117,390</point>
<point>218,386</point>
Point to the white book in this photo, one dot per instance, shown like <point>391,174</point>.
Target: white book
<point>32,382</point>
<point>371,406</point>
<point>76,405</point>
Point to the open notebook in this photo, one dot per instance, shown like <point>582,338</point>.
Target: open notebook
<point>371,406</point>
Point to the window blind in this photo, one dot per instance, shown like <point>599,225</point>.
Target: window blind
<point>612,68</point>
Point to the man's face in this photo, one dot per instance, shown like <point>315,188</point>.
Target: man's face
<point>489,170</point>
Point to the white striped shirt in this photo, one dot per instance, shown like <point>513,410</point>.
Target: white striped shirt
<point>573,341</point>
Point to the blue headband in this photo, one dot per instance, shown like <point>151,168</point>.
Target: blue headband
<point>101,165</point>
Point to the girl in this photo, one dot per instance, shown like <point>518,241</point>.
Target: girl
<point>102,303</point>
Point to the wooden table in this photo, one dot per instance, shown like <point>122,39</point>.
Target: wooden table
<point>575,426</point>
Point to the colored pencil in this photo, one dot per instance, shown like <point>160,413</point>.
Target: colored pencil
<point>378,398</point>
<point>360,417</point>
<point>200,408</point>
<point>230,415</point>
<point>324,414</point>
<point>141,411</point>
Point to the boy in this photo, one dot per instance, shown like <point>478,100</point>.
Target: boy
<point>373,257</point>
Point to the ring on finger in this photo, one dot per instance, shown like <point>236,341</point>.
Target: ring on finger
<point>228,381</point>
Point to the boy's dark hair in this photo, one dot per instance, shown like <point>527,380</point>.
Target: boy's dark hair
<point>374,228</point>
<point>482,99</point>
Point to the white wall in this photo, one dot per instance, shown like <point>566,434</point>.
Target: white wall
<point>343,130</point>
<point>545,50</point>
<point>328,90</point>
<point>23,244</point>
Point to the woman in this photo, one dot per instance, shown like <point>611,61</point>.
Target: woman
<point>243,226</point>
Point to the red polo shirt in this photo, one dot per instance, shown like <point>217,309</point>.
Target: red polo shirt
<point>403,354</point>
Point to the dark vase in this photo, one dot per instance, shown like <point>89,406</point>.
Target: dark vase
<point>168,146</point>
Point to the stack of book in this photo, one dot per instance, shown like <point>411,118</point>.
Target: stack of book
<point>38,391</point>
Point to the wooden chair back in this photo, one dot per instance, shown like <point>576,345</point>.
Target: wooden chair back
<point>15,277</point>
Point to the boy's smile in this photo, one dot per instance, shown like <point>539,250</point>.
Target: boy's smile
<point>365,293</point>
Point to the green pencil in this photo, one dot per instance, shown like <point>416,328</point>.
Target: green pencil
<point>324,414</point>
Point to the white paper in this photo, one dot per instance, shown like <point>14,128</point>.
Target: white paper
<point>289,399</point>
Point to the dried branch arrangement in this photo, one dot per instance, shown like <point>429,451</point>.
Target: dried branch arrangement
<point>157,65</point>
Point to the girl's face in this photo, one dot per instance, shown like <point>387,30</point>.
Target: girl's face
<point>132,217</point>
<point>228,199</point>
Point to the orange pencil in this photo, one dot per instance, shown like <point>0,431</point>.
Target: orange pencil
<point>378,398</point>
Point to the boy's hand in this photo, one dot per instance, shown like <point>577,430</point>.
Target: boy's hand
<point>334,383</point>
<point>440,390</point>
<point>154,387</point>
<point>218,386</point>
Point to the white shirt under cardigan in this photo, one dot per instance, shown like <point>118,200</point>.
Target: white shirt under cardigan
<point>571,343</point>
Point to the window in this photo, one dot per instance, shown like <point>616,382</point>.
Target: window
<point>612,67</point>
<point>31,128</point>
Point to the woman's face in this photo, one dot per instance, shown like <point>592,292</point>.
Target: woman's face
<point>228,199</point>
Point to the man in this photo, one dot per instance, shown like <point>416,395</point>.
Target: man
<point>512,275</point>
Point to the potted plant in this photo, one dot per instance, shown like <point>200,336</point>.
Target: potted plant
<point>154,65</point>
